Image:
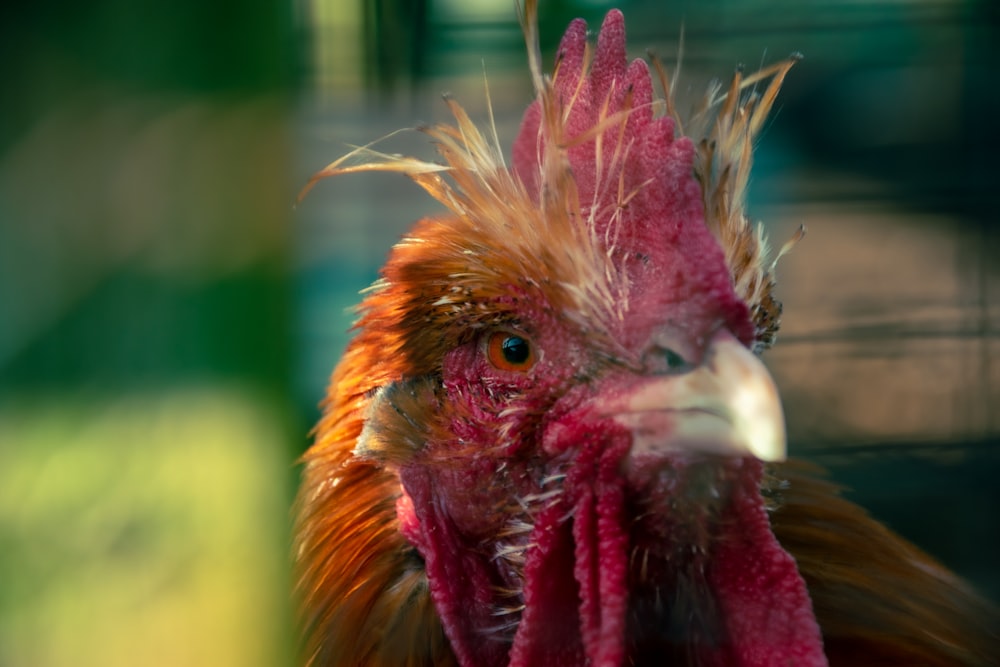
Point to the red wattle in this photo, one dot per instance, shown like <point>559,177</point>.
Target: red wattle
<point>601,565</point>
<point>548,633</point>
<point>763,599</point>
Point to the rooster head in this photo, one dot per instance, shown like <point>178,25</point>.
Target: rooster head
<point>557,384</point>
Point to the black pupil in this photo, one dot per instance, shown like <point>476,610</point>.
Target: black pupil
<point>515,350</point>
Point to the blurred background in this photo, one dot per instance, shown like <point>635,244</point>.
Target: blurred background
<point>169,317</point>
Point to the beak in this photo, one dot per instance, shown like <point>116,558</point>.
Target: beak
<point>728,405</point>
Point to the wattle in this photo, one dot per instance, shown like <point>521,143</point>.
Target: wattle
<point>585,602</point>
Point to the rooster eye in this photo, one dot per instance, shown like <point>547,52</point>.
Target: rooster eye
<point>510,352</point>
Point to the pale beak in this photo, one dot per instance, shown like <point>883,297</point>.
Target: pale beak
<point>727,405</point>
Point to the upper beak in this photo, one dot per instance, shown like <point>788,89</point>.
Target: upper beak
<point>726,405</point>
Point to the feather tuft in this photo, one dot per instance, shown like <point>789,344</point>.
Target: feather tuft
<point>724,124</point>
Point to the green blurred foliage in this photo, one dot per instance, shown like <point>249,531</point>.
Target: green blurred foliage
<point>147,432</point>
<point>143,530</point>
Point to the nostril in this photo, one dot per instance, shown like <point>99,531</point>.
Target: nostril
<point>665,360</point>
<point>675,362</point>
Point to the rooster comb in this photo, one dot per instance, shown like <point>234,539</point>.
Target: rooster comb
<point>594,91</point>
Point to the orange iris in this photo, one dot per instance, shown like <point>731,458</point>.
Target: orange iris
<point>509,351</point>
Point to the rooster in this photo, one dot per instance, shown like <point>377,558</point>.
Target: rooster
<point>551,442</point>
